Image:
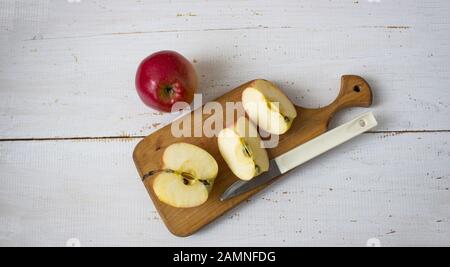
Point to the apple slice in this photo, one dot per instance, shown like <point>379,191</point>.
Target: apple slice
<point>268,106</point>
<point>242,150</point>
<point>187,176</point>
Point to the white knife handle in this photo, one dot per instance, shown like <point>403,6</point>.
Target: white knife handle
<point>325,142</point>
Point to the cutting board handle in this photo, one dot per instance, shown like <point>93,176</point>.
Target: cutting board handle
<point>354,92</point>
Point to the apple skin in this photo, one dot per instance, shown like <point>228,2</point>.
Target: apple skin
<point>164,78</point>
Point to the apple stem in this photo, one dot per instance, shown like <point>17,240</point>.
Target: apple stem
<point>150,173</point>
<point>169,90</point>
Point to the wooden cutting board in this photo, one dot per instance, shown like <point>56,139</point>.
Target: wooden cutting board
<point>354,92</point>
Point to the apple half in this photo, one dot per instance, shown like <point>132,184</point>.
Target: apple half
<point>242,149</point>
<point>268,107</point>
<point>187,176</point>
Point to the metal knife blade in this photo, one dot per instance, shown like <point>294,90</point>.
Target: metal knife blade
<point>304,152</point>
<point>242,186</point>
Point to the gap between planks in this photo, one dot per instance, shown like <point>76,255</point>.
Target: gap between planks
<point>81,138</point>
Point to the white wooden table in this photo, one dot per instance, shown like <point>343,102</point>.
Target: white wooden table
<point>70,118</point>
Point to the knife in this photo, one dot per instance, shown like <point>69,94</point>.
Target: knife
<point>304,152</point>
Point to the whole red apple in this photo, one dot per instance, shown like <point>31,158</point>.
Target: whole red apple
<point>164,78</point>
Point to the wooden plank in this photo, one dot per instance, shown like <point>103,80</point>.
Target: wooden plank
<point>82,82</point>
<point>393,187</point>
<point>85,87</point>
<point>43,19</point>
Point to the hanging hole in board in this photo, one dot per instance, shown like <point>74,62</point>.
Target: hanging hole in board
<point>362,123</point>
<point>357,89</point>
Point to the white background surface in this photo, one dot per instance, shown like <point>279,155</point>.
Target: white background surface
<point>70,118</point>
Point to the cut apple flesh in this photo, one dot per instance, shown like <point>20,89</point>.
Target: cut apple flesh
<point>252,144</point>
<point>172,189</point>
<point>232,150</point>
<point>241,148</point>
<point>187,176</point>
<point>268,106</point>
<point>184,157</point>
